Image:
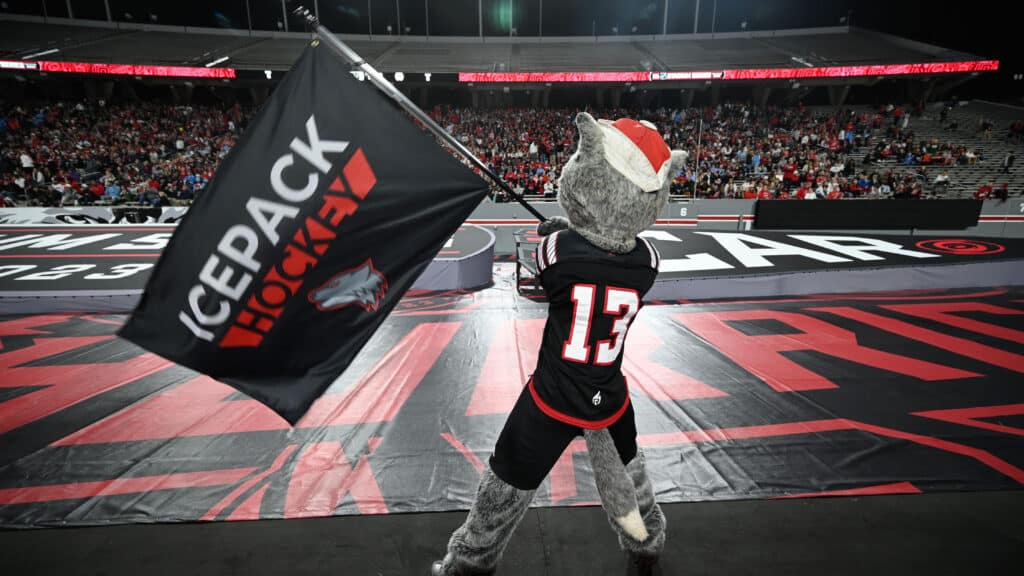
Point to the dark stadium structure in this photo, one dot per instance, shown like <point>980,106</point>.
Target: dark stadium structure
<point>840,395</point>
<point>259,39</point>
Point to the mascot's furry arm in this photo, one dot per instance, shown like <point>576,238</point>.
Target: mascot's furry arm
<point>552,225</point>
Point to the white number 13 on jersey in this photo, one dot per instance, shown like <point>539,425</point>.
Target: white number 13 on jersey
<point>620,303</point>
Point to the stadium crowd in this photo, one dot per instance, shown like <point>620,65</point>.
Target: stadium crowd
<point>737,151</point>
<point>90,152</point>
<point>86,153</point>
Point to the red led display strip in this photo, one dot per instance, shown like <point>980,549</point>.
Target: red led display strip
<point>744,74</point>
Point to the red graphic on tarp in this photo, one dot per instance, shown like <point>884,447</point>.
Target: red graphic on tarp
<point>434,387</point>
<point>510,360</point>
<point>894,488</point>
<point>762,355</point>
<point>198,406</point>
<point>960,346</point>
<point>961,246</point>
<point>384,389</point>
<point>973,417</point>
<point>945,312</point>
<point>468,454</point>
<point>251,507</point>
<point>126,485</point>
<point>655,380</point>
<point>242,488</point>
<point>62,385</point>
<point>323,476</point>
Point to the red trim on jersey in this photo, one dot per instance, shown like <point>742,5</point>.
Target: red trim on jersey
<point>588,424</point>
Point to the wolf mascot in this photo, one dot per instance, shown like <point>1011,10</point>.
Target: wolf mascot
<point>595,271</point>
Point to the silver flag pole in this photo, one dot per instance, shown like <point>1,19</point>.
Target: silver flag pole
<point>389,89</point>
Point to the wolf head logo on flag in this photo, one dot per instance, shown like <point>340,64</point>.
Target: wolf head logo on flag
<point>333,200</point>
<point>364,286</point>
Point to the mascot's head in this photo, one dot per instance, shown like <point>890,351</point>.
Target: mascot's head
<point>617,182</point>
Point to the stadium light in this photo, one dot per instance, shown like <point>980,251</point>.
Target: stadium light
<point>268,73</point>
<point>43,53</point>
<point>399,76</point>
<point>426,75</point>
<point>217,61</point>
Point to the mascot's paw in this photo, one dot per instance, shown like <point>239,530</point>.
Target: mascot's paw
<point>552,225</point>
<point>633,525</point>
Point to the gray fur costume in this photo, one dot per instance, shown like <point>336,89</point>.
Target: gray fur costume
<point>609,209</point>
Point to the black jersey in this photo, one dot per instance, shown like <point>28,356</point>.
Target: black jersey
<point>593,297</point>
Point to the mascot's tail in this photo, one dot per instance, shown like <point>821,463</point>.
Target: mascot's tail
<point>614,484</point>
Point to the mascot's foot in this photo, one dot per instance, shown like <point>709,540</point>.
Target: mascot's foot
<point>642,565</point>
<point>438,569</point>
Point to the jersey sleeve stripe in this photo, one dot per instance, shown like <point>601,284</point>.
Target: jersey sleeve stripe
<point>655,256</point>
<point>552,249</point>
<point>541,255</point>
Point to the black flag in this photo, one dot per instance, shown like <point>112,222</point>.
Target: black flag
<point>321,217</point>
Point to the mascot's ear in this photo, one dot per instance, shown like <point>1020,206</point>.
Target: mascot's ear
<point>678,161</point>
<point>591,137</point>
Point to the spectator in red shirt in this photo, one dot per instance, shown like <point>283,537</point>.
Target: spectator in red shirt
<point>789,172</point>
<point>984,191</point>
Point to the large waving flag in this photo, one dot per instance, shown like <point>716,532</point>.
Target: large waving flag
<point>314,226</point>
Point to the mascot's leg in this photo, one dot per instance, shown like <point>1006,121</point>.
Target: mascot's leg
<point>527,449</point>
<point>623,486</point>
<point>477,545</point>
